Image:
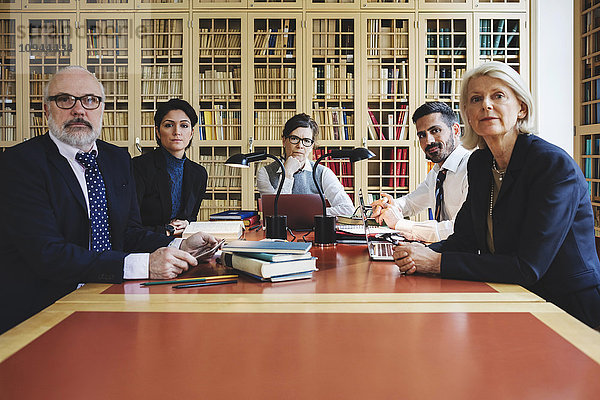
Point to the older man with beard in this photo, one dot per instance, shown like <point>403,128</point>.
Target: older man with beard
<point>68,209</point>
<point>445,187</point>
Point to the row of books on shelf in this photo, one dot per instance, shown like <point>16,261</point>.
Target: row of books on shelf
<point>214,124</point>
<point>162,79</point>
<point>37,124</point>
<point>37,81</point>
<point>268,124</point>
<point>334,123</point>
<point>7,126</point>
<point>387,81</point>
<point>332,80</point>
<point>106,34</point>
<point>398,169</point>
<point>591,165</point>
<point>218,40</point>
<point>330,34</point>
<point>115,125</point>
<point>275,41</point>
<point>8,89</point>
<point>588,118</point>
<point>443,79</point>
<point>395,127</point>
<point>270,261</point>
<point>388,40</point>
<point>342,169</point>
<point>275,81</point>
<point>162,34</point>
<point>220,175</point>
<point>221,82</point>
<point>503,35</point>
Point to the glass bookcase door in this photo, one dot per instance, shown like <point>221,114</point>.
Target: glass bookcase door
<point>258,4</point>
<point>107,54</point>
<point>162,4</point>
<point>162,52</point>
<point>106,4</point>
<point>332,47</point>
<point>50,44</point>
<point>501,5</point>
<point>219,45</point>
<point>45,4</point>
<point>276,56</point>
<point>217,4</point>
<point>388,85</point>
<point>10,4</point>
<point>446,55</point>
<point>587,95</point>
<point>10,111</point>
<point>503,38</point>
<point>447,5</point>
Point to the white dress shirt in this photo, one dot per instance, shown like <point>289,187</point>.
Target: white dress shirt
<point>423,197</point>
<point>334,192</point>
<point>136,264</point>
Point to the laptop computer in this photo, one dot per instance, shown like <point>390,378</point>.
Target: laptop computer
<point>379,249</point>
<point>299,208</point>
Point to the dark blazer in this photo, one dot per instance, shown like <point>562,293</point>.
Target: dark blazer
<point>543,229</point>
<point>154,192</point>
<point>44,226</point>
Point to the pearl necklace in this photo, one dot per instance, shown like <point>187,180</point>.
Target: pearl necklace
<point>500,174</point>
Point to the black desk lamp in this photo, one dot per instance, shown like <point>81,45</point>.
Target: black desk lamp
<point>276,224</point>
<point>324,225</point>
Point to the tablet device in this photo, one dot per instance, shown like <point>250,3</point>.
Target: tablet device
<point>209,252</point>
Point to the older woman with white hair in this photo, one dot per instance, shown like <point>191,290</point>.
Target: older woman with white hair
<point>527,218</point>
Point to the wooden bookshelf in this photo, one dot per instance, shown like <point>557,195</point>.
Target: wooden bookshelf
<point>163,49</point>
<point>107,55</point>
<point>390,98</point>
<point>360,68</point>
<point>587,98</point>
<point>51,47</point>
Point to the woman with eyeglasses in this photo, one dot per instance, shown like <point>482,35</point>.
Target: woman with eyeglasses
<point>299,134</point>
<point>170,187</point>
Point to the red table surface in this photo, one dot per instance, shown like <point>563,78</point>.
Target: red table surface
<point>343,269</point>
<point>109,355</point>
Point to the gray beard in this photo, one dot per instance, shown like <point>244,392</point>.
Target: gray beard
<point>81,139</point>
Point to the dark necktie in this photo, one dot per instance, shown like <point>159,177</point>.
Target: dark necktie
<point>97,199</point>
<point>439,194</point>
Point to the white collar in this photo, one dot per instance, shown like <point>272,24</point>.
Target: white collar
<point>66,150</point>
<point>454,159</point>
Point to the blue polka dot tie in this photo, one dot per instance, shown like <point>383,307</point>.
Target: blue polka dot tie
<point>97,199</point>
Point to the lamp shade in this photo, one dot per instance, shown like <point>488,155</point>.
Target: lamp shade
<point>276,224</point>
<point>324,225</point>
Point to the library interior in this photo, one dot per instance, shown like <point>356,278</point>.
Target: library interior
<point>299,315</point>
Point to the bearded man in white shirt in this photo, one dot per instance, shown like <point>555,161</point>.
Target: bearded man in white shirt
<point>445,187</point>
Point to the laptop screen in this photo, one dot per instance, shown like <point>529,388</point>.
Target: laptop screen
<point>300,209</point>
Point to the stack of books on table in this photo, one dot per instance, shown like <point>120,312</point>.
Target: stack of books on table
<point>228,230</point>
<point>250,218</point>
<point>270,261</point>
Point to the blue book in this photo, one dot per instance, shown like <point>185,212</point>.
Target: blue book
<point>233,214</point>
<point>266,246</point>
<point>278,257</point>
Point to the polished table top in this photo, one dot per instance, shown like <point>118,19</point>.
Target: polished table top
<point>357,329</point>
<point>305,351</point>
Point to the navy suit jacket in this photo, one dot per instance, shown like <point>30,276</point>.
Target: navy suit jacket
<point>543,228</point>
<point>154,190</point>
<point>44,226</point>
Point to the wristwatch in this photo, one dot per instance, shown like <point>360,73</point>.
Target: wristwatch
<point>170,229</point>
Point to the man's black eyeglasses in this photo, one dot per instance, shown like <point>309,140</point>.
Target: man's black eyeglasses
<point>307,142</point>
<point>67,101</point>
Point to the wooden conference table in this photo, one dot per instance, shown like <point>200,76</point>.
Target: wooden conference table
<point>357,330</point>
